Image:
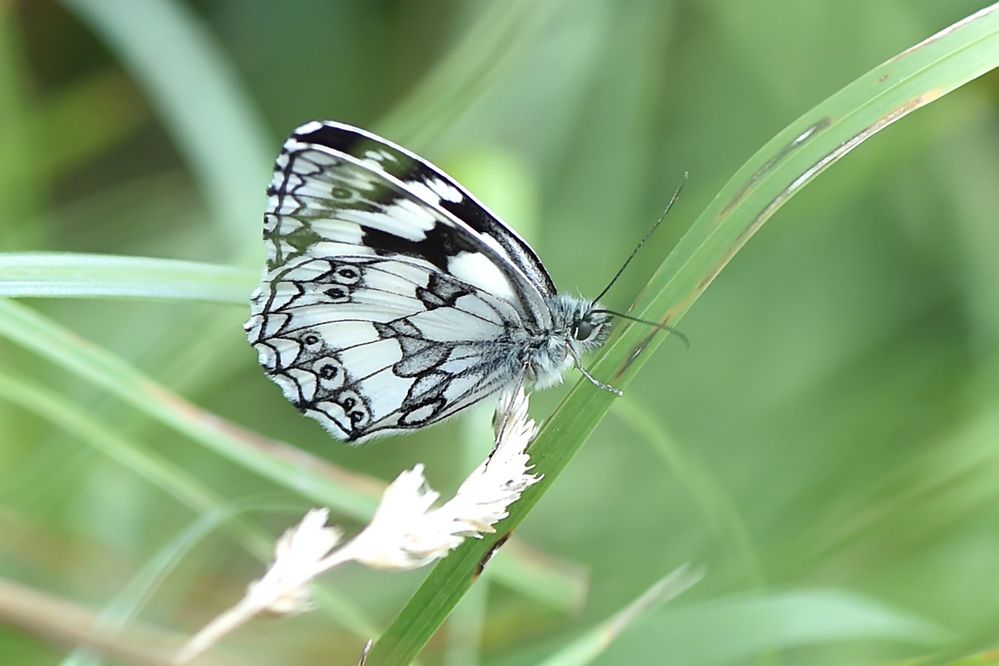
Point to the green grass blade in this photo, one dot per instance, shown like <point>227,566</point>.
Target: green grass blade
<point>68,275</point>
<point>753,626</point>
<point>554,582</point>
<point>103,438</point>
<point>759,188</point>
<point>347,493</point>
<point>720,512</point>
<point>592,644</point>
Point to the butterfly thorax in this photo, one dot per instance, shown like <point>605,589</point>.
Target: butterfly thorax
<point>577,327</point>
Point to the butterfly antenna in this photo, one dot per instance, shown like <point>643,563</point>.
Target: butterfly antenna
<point>654,324</point>
<point>672,200</point>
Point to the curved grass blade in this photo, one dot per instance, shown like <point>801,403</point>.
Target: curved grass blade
<point>159,472</point>
<point>720,512</point>
<point>741,629</point>
<point>586,648</point>
<point>70,275</point>
<point>351,494</point>
<point>808,146</point>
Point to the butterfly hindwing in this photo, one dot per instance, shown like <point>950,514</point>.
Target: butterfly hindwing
<point>380,344</point>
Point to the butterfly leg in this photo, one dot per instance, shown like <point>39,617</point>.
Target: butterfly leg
<point>599,384</point>
<point>593,380</point>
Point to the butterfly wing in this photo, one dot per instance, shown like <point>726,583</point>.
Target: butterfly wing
<point>380,310</point>
<point>433,187</point>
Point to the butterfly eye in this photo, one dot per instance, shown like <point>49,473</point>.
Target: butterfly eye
<point>583,329</point>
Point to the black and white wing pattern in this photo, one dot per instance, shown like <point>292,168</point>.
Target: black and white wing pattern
<point>391,298</point>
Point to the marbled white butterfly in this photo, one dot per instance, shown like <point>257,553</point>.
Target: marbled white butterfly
<point>392,299</point>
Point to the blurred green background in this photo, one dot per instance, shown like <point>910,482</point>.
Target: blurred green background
<point>828,449</point>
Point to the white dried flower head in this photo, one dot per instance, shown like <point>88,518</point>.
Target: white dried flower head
<point>400,536</point>
<point>405,532</point>
<point>283,590</point>
<point>483,499</point>
<point>298,553</point>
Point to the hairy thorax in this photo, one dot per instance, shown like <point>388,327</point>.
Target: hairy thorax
<point>576,328</point>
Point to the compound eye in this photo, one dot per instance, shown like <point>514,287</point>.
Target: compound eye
<point>583,329</point>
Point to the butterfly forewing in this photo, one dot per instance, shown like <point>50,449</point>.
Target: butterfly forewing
<point>391,298</point>
<point>433,187</point>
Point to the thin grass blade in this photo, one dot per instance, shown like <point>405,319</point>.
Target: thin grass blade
<point>69,275</point>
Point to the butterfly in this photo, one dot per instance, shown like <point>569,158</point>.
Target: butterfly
<point>393,299</point>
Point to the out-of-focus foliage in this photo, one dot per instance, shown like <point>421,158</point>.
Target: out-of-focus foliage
<point>828,449</point>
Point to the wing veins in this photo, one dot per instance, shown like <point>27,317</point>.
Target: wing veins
<point>529,294</point>
<point>291,308</point>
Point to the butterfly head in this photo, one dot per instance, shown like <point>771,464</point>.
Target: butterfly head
<point>589,328</point>
<point>584,325</point>
<point>578,326</point>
